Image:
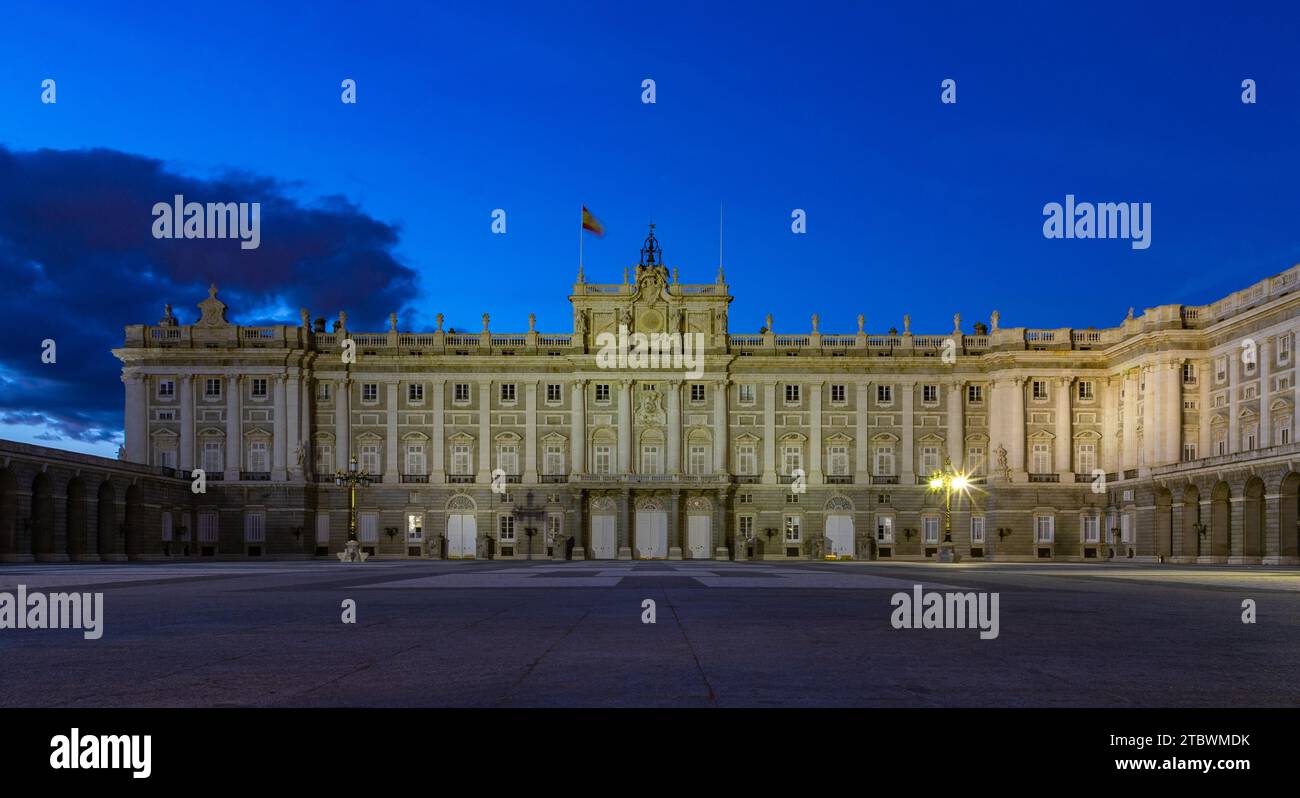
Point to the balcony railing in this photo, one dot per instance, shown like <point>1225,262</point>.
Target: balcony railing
<point>460,479</point>
<point>255,476</point>
<point>554,478</point>
<point>1044,477</point>
<point>884,479</point>
<point>839,479</point>
<point>415,479</point>
<point>746,479</point>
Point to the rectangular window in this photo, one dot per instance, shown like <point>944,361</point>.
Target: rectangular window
<point>462,462</point>
<point>212,388</point>
<point>370,458</point>
<point>602,392</point>
<point>165,458</point>
<point>554,393</point>
<point>507,392</point>
<point>929,459</point>
<point>1283,349</point>
<point>791,459</point>
<point>415,393</point>
<point>555,528</point>
<point>650,460</point>
<point>884,394</point>
<point>414,527</point>
<point>838,394</point>
<point>508,458</point>
<point>745,526</point>
<point>506,528</point>
<point>930,394</point>
<point>212,457</point>
<point>166,389</point>
<point>1284,435</point>
<point>976,529</point>
<point>793,529</point>
<point>600,460</point>
<point>791,394</point>
<point>1221,369</point>
<point>258,457</point>
<point>323,391</point>
<point>255,527</point>
<point>1189,374</point>
<point>207,526</point>
<point>553,459</point>
<point>322,529</point>
<point>1126,528</point>
<point>415,459</point>
<point>698,462</point>
<point>1039,390</point>
<point>930,528</point>
<point>259,388</point>
<point>885,461</point>
<point>975,461</point>
<point>1189,452</point>
<point>975,394</point>
<point>1085,458</point>
<point>746,460</point>
<point>1091,529</point>
<point>1041,461</point>
<point>697,392</point>
<point>370,392</point>
<point>324,458</point>
<point>746,394</point>
<point>885,529</point>
<point>460,392</point>
<point>1044,528</point>
<point>368,527</point>
<point>1085,390</point>
<point>838,459</point>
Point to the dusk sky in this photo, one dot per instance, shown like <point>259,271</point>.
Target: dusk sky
<point>913,206</point>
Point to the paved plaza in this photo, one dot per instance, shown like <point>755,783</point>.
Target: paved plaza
<point>492,633</point>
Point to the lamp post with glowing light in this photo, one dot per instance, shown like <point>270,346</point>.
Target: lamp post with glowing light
<point>353,478</point>
<point>948,480</point>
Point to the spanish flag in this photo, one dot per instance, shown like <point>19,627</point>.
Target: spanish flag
<point>591,223</point>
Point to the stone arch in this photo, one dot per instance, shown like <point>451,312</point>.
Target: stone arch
<point>106,526</point>
<point>649,503</point>
<point>43,517</point>
<point>1164,531</point>
<point>603,505</point>
<point>699,504</point>
<point>1220,531</point>
<point>1191,517</point>
<point>838,504</point>
<point>1252,518</point>
<point>8,513</point>
<point>1288,515</point>
<point>133,522</point>
<point>461,502</point>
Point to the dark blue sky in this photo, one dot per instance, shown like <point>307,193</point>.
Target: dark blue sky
<point>913,206</point>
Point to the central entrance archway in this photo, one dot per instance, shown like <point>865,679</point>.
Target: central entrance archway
<point>462,528</point>
<point>604,535</point>
<point>699,528</point>
<point>651,530</point>
<point>840,533</point>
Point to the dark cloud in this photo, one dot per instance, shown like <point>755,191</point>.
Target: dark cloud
<point>79,262</point>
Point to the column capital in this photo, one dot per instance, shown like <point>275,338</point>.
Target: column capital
<point>1064,381</point>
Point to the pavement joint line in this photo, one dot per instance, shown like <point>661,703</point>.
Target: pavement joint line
<point>712,697</point>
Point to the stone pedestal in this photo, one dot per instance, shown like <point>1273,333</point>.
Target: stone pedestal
<point>624,552</point>
<point>947,553</point>
<point>579,553</point>
<point>721,553</point>
<point>675,553</point>
<point>352,552</point>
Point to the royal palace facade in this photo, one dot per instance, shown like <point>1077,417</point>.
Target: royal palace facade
<point>1167,438</point>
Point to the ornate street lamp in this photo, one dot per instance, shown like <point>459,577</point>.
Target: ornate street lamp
<point>948,480</point>
<point>353,478</point>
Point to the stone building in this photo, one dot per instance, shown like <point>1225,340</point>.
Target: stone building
<point>1169,437</point>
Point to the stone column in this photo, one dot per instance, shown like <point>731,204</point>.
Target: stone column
<point>956,433</point>
<point>308,398</point>
<point>1017,425</point>
<point>1108,460</point>
<point>187,421</point>
<point>1130,459</point>
<point>1064,430</point>
<point>484,432</point>
<point>135,418</point>
<point>1234,408</point>
<point>1205,442</point>
<point>578,424</point>
<point>998,406</point>
<point>439,453</point>
<point>530,432</point>
<point>675,525</point>
<point>861,452</point>
<point>1150,427</point>
<point>279,431</point>
<point>815,474</point>
<point>720,526</point>
<point>294,432</point>
<point>1265,413</point>
<point>673,464</point>
<point>721,423</point>
<point>1295,386</point>
<point>1172,409</point>
<point>624,426</point>
<point>234,429</point>
<point>769,433</point>
<point>908,475</point>
<point>342,423</point>
<point>391,472</point>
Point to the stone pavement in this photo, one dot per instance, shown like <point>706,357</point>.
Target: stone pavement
<point>726,634</point>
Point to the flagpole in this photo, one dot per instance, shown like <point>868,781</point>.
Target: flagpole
<point>579,239</point>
